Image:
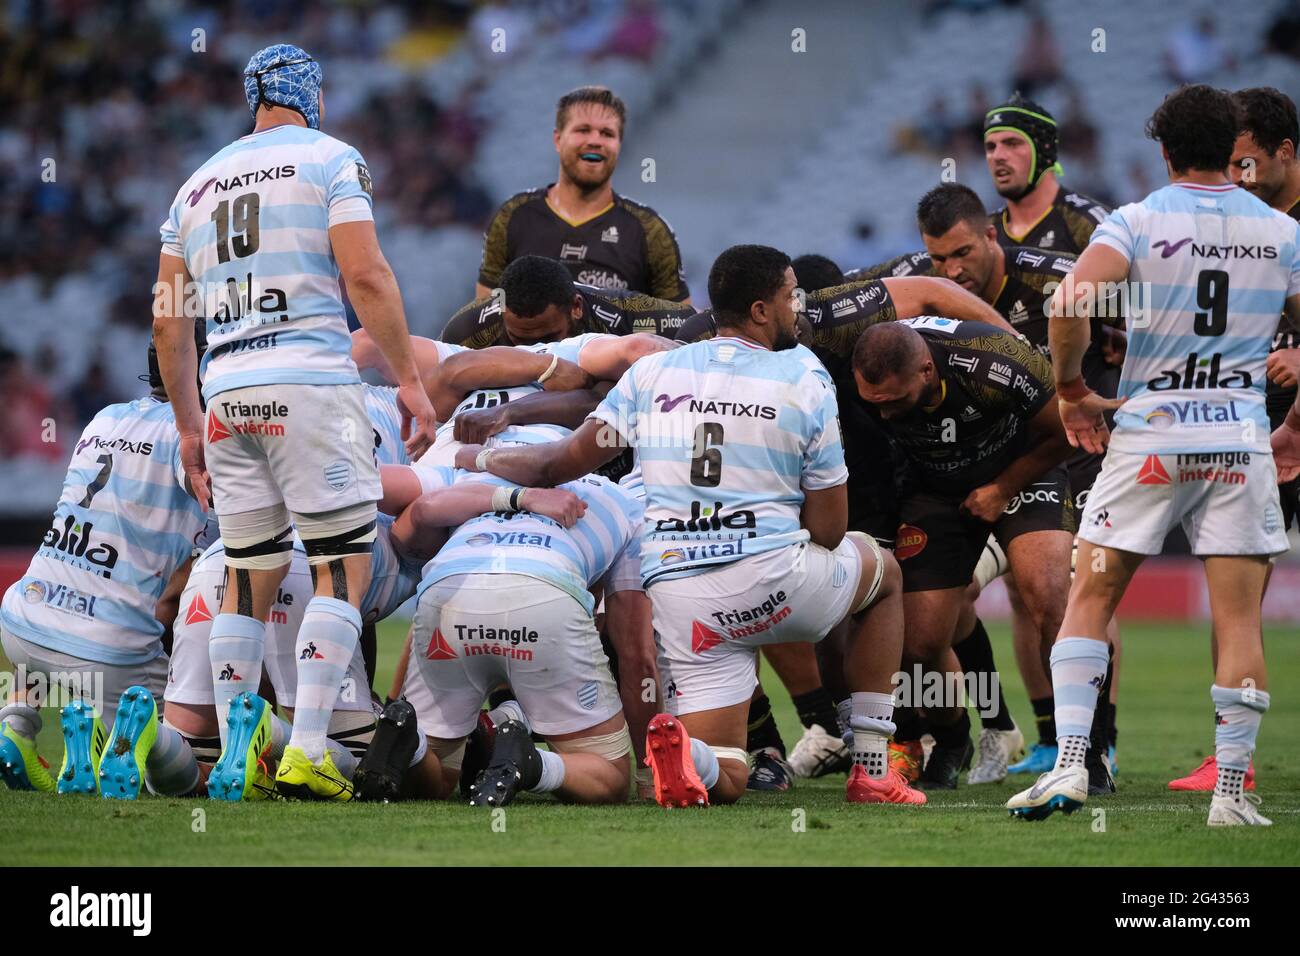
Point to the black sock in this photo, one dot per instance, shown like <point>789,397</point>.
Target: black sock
<point>1045,718</point>
<point>816,707</point>
<point>1114,731</point>
<point>762,727</point>
<point>908,725</point>
<point>953,735</point>
<point>1099,732</point>
<point>975,654</point>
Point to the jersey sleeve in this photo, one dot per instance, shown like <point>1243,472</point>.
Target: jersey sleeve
<point>664,258</point>
<point>474,325</point>
<point>618,409</point>
<point>697,328</point>
<point>1116,231</point>
<point>434,477</point>
<point>1017,372</point>
<point>350,193</point>
<point>495,252</point>
<point>170,231</point>
<point>1293,283</point>
<point>823,457</point>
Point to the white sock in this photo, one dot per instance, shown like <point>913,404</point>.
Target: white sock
<point>236,646</point>
<point>706,763</point>
<point>552,772</point>
<point>281,731</point>
<point>872,723</point>
<point>23,719</point>
<point>509,710</point>
<point>326,642</point>
<point>171,769</point>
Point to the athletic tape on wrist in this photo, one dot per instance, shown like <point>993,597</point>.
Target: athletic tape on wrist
<point>503,499</point>
<point>481,459</point>
<point>550,370</point>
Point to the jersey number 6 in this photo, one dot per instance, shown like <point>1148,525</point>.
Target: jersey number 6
<point>706,465</point>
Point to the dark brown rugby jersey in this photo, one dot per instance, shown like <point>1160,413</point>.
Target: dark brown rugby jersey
<point>993,384</point>
<point>627,247</point>
<point>908,264</point>
<point>479,324</point>
<point>1065,227</point>
<point>1276,398</point>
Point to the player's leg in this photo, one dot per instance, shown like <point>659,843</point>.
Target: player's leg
<point>712,749</point>
<point>1000,740</point>
<point>596,762</point>
<point>930,619</point>
<point>631,631</point>
<point>764,744</point>
<point>21,766</point>
<point>820,750</point>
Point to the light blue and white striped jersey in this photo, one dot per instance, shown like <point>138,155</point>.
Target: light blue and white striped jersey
<point>727,436</point>
<point>1218,263</point>
<point>122,527</point>
<point>381,407</point>
<point>572,559</point>
<point>252,224</point>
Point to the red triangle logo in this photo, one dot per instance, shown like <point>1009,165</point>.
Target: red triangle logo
<point>198,612</point>
<point>216,430</point>
<point>704,637</point>
<point>439,649</point>
<point>1153,473</point>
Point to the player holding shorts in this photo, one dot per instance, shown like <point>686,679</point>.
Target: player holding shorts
<point>744,538</point>
<point>1191,443</point>
<point>265,227</point>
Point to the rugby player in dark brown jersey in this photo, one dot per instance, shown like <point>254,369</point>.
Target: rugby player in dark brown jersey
<point>1020,146</point>
<point>539,302</point>
<point>1018,281</point>
<point>970,408</point>
<point>605,240</point>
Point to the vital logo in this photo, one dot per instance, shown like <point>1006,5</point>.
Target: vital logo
<point>702,552</point>
<point>1191,413</point>
<point>1170,247</point>
<point>668,404</point>
<point>1153,472</point>
<point>73,544</point>
<point>61,598</point>
<point>709,518</point>
<point>76,909</point>
<point>528,539</point>
<point>258,343</point>
<point>1200,373</point>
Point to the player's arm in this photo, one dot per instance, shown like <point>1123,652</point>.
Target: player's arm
<point>552,463</point>
<point>608,357</point>
<point>825,515</point>
<point>500,366</point>
<point>929,295</point>
<point>1286,437</point>
<point>366,354</point>
<point>178,362</point>
<point>169,602</point>
<point>569,409</point>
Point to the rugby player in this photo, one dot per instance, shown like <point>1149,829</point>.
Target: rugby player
<point>124,530</point>
<point>1020,147</point>
<point>969,406</point>
<point>265,227</point>
<point>539,302</point>
<point>1264,162</point>
<point>1192,395</point>
<point>744,540</point>
<point>1017,281</point>
<point>605,240</point>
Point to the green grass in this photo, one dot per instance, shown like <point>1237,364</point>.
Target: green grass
<point>1165,729</point>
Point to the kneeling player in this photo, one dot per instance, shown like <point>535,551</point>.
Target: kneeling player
<point>507,600</point>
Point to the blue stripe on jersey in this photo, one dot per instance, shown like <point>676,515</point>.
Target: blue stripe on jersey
<point>381,406</point>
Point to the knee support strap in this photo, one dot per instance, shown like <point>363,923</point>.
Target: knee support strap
<point>259,540</point>
<point>874,548</point>
<point>338,534</point>
<point>610,746</point>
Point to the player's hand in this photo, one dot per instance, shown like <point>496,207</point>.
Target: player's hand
<point>562,507</point>
<point>1085,421</point>
<point>480,424</point>
<point>1284,367</point>
<point>1286,452</point>
<point>466,456</point>
<point>1114,345</point>
<point>987,502</point>
<point>567,377</point>
<point>414,406</point>
<point>196,469</point>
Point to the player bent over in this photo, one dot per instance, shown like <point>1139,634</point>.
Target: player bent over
<point>744,535</point>
<point>1191,443</point>
<point>507,599</point>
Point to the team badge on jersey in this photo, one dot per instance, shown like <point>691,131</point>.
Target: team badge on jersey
<point>363,177</point>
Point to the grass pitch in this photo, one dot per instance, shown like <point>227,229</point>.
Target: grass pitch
<point>1165,720</point>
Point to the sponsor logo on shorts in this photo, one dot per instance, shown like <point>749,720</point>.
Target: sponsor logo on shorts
<point>754,620</point>
<point>1102,519</point>
<point>262,424</point>
<point>588,695</point>
<point>1046,495</point>
<point>338,474</point>
<point>1218,467</point>
<point>1152,472</point>
<point>910,542</point>
<point>704,638</point>
<point>480,640</point>
<point>724,549</point>
<point>1272,520</point>
<point>198,612</point>
<point>527,538</point>
<point>439,649</point>
<point>671,691</point>
<point>60,597</point>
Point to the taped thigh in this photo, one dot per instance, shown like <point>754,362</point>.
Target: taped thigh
<point>261,539</point>
<point>331,535</point>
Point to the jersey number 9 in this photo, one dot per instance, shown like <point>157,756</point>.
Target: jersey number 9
<point>1212,295</point>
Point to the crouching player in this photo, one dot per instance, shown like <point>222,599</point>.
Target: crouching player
<point>744,536</point>
<point>508,599</point>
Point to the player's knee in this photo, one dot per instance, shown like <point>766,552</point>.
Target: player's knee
<point>880,575</point>
<point>924,643</point>
<point>338,535</point>
<point>260,540</point>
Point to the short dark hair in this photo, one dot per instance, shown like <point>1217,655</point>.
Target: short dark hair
<point>814,272</point>
<point>1197,126</point>
<point>532,283</point>
<point>594,95</point>
<point>741,276</point>
<point>1269,116</point>
<point>948,204</point>
<point>886,349</point>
